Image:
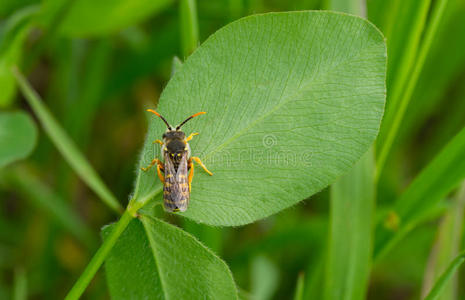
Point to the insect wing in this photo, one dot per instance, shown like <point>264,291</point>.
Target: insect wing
<point>176,188</point>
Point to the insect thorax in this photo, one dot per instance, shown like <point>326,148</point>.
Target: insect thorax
<point>175,146</point>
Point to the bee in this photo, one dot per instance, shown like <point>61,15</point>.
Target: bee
<point>177,169</point>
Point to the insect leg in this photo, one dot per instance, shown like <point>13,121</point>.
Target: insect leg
<point>154,161</point>
<point>191,174</point>
<point>160,175</point>
<point>191,136</point>
<point>158,142</point>
<point>197,160</point>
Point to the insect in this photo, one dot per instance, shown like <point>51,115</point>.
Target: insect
<point>177,166</point>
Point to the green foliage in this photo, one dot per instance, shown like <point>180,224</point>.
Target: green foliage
<point>293,100</point>
<point>272,109</point>
<point>351,237</point>
<point>18,135</point>
<point>299,289</point>
<point>445,277</point>
<point>91,18</point>
<point>264,278</point>
<point>38,193</point>
<point>189,26</point>
<point>410,84</point>
<point>447,246</point>
<point>436,180</point>
<point>65,145</point>
<point>12,36</point>
<point>156,260</point>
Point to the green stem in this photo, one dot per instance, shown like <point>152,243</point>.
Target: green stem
<point>65,144</point>
<point>99,257</point>
<point>430,36</point>
<point>189,27</point>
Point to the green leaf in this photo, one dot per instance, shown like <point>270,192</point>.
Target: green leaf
<point>118,15</point>
<point>435,181</point>
<point>18,136</point>
<point>12,37</point>
<point>445,277</point>
<point>351,235</point>
<point>156,260</point>
<point>65,145</point>
<point>289,109</point>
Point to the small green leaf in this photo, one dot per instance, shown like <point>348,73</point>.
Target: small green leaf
<point>117,14</point>
<point>157,260</point>
<point>289,109</point>
<point>18,136</point>
<point>435,181</point>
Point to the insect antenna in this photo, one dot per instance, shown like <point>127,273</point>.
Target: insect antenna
<point>161,117</point>
<point>194,115</point>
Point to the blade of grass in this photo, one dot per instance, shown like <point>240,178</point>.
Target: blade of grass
<point>447,246</point>
<point>352,204</point>
<point>29,186</point>
<point>20,285</point>
<point>99,257</point>
<point>351,237</point>
<point>445,277</point>
<point>405,51</point>
<point>65,145</point>
<point>299,289</point>
<point>189,27</point>
<point>430,36</point>
<point>435,181</point>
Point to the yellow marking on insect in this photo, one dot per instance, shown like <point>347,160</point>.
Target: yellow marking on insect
<point>167,184</point>
<point>169,176</point>
<point>182,176</point>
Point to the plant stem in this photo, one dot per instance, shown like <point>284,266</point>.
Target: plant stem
<point>99,257</point>
<point>430,36</point>
<point>65,144</point>
<point>189,27</point>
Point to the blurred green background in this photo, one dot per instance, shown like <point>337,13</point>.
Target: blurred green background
<point>99,64</point>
